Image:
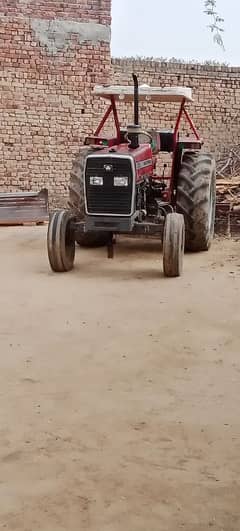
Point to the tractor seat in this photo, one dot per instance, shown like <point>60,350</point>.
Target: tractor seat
<point>166,140</point>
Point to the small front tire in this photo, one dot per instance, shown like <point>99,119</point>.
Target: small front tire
<point>60,242</point>
<point>173,245</point>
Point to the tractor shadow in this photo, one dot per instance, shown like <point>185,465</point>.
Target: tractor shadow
<point>134,259</point>
<point>136,246</point>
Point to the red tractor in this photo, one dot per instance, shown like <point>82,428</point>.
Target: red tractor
<point>115,189</point>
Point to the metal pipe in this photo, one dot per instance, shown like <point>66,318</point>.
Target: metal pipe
<point>136,100</point>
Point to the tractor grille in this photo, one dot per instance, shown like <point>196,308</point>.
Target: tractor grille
<point>109,199</point>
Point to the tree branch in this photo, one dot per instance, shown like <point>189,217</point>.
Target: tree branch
<point>216,25</point>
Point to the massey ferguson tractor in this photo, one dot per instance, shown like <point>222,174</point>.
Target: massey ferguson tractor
<point>115,187</point>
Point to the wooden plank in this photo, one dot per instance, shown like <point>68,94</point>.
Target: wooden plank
<point>227,220</point>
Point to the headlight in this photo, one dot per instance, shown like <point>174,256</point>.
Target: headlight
<point>96,181</point>
<point>120,181</point>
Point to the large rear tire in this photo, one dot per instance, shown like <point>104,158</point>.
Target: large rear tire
<point>76,201</point>
<point>60,242</point>
<point>196,199</point>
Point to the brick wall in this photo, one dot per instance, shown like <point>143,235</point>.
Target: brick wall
<point>52,52</point>
<point>216,93</point>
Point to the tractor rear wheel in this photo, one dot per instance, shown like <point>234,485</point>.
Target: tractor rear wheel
<point>60,242</point>
<point>196,199</point>
<point>173,245</point>
<point>76,200</point>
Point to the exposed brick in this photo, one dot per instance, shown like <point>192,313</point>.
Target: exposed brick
<point>46,108</point>
<point>216,93</point>
<point>45,93</point>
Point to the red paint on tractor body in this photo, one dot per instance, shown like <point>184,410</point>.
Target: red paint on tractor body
<point>142,157</point>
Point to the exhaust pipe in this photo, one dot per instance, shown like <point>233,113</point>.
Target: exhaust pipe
<point>136,100</point>
<point>133,130</point>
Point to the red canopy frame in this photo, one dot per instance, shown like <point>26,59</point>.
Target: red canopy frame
<point>113,109</point>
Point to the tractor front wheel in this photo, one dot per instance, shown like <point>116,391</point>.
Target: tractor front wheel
<point>60,242</point>
<point>173,245</point>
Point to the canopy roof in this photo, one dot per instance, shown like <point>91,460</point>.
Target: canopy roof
<point>146,93</point>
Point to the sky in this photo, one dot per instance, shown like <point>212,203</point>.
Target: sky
<point>174,28</point>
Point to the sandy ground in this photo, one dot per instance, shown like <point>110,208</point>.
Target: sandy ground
<point>119,389</point>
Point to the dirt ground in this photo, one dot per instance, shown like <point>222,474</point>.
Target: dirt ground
<point>119,389</point>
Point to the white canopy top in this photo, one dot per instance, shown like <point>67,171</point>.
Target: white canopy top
<point>146,93</point>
